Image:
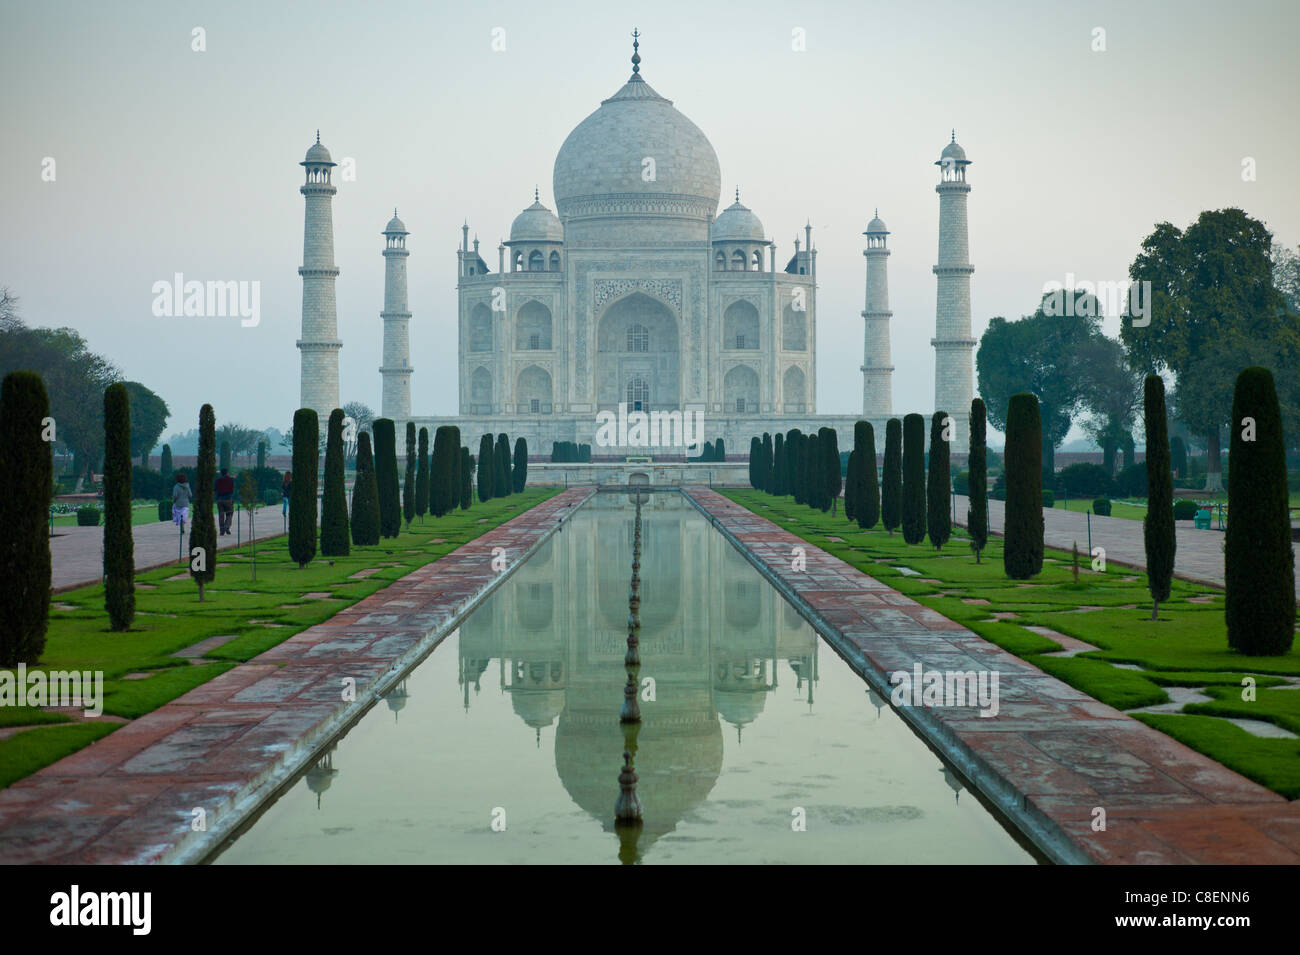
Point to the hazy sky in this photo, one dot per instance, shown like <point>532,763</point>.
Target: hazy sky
<point>170,160</point>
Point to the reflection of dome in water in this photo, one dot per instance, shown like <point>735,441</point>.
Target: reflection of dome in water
<point>321,775</point>
<point>677,761</point>
<point>741,707</point>
<point>538,708</point>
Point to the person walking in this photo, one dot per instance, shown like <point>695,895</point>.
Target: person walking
<point>285,484</point>
<point>182,494</point>
<point>225,490</point>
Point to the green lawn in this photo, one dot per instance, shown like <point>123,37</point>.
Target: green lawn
<point>258,614</point>
<point>1133,511</point>
<point>142,512</point>
<point>1186,646</point>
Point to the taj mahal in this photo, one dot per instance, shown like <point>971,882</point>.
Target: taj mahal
<point>635,291</point>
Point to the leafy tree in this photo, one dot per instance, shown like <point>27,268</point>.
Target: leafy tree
<point>486,469</point>
<point>1158,525</point>
<point>913,499</point>
<point>867,495</point>
<point>520,474</point>
<point>977,517</point>
<point>1111,395</point>
<point>26,483</point>
<point>334,530</point>
<point>235,439</point>
<point>1022,550</point>
<point>149,415</point>
<point>1259,561</point>
<point>828,442</point>
<point>1044,354</point>
<point>1214,309</point>
<point>203,524</point>
<point>422,476</point>
<point>891,477</point>
<point>408,486</point>
<point>365,496</point>
<point>938,520</point>
<point>302,490</point>
<point>502,479</point>
<point>466,479</point>
<point>1178,457</point>
<point>119,546</point>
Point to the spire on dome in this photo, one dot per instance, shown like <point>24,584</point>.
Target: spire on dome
<point>536,195</point>
<point>318,137</point>
<point>737,193</point>
<point>954,134</point>
<point>636,57</point>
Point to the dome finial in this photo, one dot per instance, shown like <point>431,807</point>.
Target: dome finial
<point>954,134</point>
<point>877,212</point>
<point>636,57</point>
<point>536,196</point>
<point>318,137</point>
<point>737,193</point>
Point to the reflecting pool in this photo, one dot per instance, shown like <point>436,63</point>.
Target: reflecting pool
<point>757,742</point>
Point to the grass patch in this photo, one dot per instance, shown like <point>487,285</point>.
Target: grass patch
<point>24,753</point>
<point>1279,707</point>
<point>1274,763</point>
<point>1122,689</point>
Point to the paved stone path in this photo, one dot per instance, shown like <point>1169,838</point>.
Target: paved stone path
<point>1052,754</point>
<point>228,744</point>
<point>1199,556</point>
<point>77,553</point>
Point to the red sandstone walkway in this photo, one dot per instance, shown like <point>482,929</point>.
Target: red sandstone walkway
<point>1052,754</point>
<point>77,553</point>
<point>228,744</point>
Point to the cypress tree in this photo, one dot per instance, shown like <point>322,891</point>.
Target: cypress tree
<point>1022,547</point>
<point>778,464</point>
<point>1158,525</point>
<point>797,467</point>
<point>203,525</point>
<point>755,449</point>
<point>225,454</point>
<point>501,481</point>
<point>977,517</point>
<point>334,496</point>
<point>788,466</point>
<point>302,492</point>
<point>719,450</point>
<point>868,496</point>
<point>422,476</point>
<point>832,481</point>
<point>440,474</point>
<point>891,476</point>
<point>365,496</point>
<point>814,484</point>
<point>765,477</point>
<point>1259,563</point>
<point>166,463</point>
<point>466,481</point>
<point>261,455</point>
<point>408,483</point>
<point>938,484</point>
<point>390,502</point>
<point>851,486</point>
<point>913,498</point>
<point>519,476</point>
<point>26,485</point>
<point>119,547</point>
<point>453,467</point>
<point>486,469</point>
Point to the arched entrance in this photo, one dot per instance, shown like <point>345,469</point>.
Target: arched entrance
<point>638,352</point>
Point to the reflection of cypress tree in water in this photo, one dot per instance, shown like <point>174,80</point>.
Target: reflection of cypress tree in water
<point>627,808</point>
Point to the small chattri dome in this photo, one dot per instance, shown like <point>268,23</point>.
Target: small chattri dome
<point>876,226</point>
<point>395,226</point>
<point>953,150</point>
<point>737,223</point>
<point>536,224</point>
<point>318,153</point>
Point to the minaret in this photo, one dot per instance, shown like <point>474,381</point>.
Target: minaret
<point>319,343</point>
<point>877,366</point>
<point>396,369</point>
<point>953,346</point>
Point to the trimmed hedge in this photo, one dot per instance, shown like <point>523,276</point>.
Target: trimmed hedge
<point>1185,510</point>
<point>88,515</point>
<point>1101,506</point>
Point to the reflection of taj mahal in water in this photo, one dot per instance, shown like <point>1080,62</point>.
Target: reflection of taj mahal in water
<point>637,291</point>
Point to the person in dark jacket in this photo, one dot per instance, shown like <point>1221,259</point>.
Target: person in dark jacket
<point>225,490</point>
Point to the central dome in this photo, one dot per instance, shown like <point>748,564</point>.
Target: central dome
<point>637,156</point>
